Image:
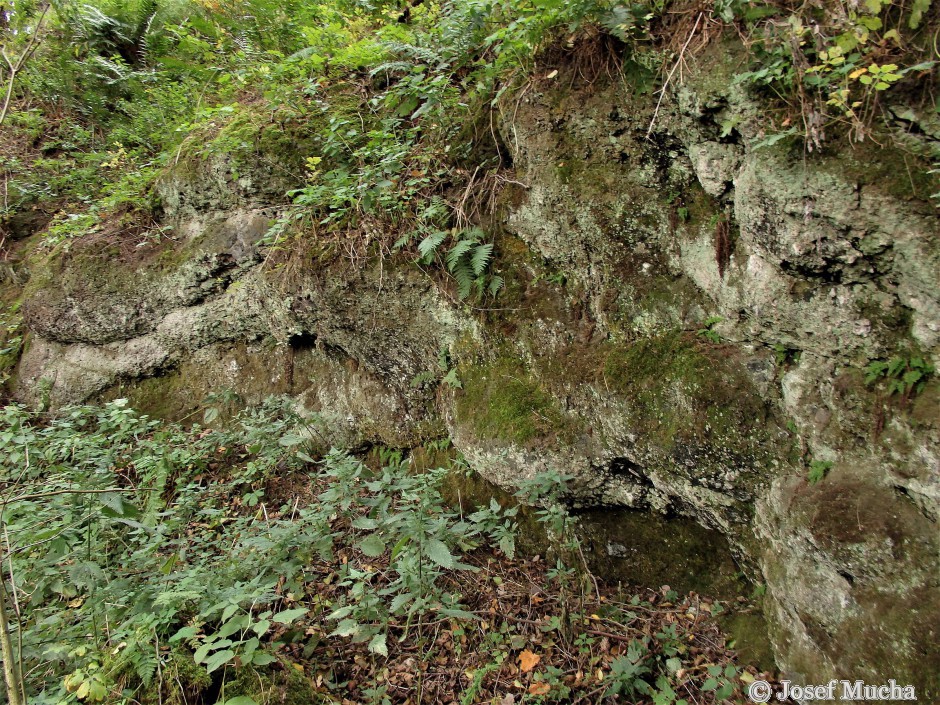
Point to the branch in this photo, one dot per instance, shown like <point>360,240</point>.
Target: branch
<point>15,68</point>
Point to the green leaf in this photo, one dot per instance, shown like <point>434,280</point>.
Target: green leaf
<point>288,616</point>
<point>399,601</point>
<point>340,612</point>
<point>364,522</point>
<point>428,246</point>
<point>372,546</point>
<point>219,659</point>
<point>771,140</point>
<point>262,659</point>
<point>290,439</point>
<point>496,283</point>
<point>202,652</point>
<point>233,625</point>
<point>379,645</point>
<point>710,684</point>
<point>168,564</point>
<point>439,553</point>
<point>452,380</point>
<point>918,9</point>
<point>464,276</point>
<point>481,258</point>
<point>458,613</point>
<point>457,252</point>
<point>184,633</point>
<point>240,700</point>
<point>347,627</point>
<point>229,611</point>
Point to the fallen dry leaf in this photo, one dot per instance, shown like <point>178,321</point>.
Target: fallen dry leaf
<point>528,661</point>
<point>539,689</point>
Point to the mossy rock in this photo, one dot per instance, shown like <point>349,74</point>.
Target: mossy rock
<point>651,550</point>
<point>685,392</point>
<point>501,400</point>
<point>184,681</point>
<point>281,684</point>
<point>749,638</point>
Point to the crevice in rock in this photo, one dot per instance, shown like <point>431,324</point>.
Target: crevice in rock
<point>621,467</point>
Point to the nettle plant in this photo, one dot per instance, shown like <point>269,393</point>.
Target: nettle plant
<point>147,551</point>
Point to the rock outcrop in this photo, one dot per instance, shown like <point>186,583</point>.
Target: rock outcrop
<point>684,330</point>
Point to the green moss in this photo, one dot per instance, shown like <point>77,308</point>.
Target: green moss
<point>684,392</point>
<point>270,686</point>
<point>643,548</point>
<point>748,631</point>
<point>501,400</point>
<point>184,681</point>
<point>899,174</point>
<point>172,396</point>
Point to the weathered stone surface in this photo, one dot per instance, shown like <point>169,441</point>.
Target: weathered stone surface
<point>598,363</point>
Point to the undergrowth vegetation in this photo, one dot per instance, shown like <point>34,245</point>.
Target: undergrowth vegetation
<point>147,563</point>
<point>377,120</point>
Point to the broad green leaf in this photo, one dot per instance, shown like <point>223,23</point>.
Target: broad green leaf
<point>364,523</point>
<point>202,652</point>
<point>184,633</point>
<point>219,659</point>
<point>438,552</point>
<point>235,624</point>
<point>260,658</point>
<point>347,627</point>
<point>372,546</point>
<point>378,645</point>
<point>288,616</point>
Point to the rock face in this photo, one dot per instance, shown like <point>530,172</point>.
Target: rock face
<point>684,331</point>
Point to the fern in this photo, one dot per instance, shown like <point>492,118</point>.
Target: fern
<point>428,246</point>
<point>465,278</point>
<point>456,255</point>
<point>467,259</point>
<point>481,258</point>
<point>496,284</point>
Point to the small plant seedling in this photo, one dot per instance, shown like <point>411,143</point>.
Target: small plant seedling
<point>708,331</point>
<point>905,376</point>
<point>818,470</point>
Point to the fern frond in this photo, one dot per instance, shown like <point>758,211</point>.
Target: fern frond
<point>496,284</point>
<point>428,246</point>
<point>457,252</point>
<point>481,258</point>
<point>464,277</point>
<point>392,67</point>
